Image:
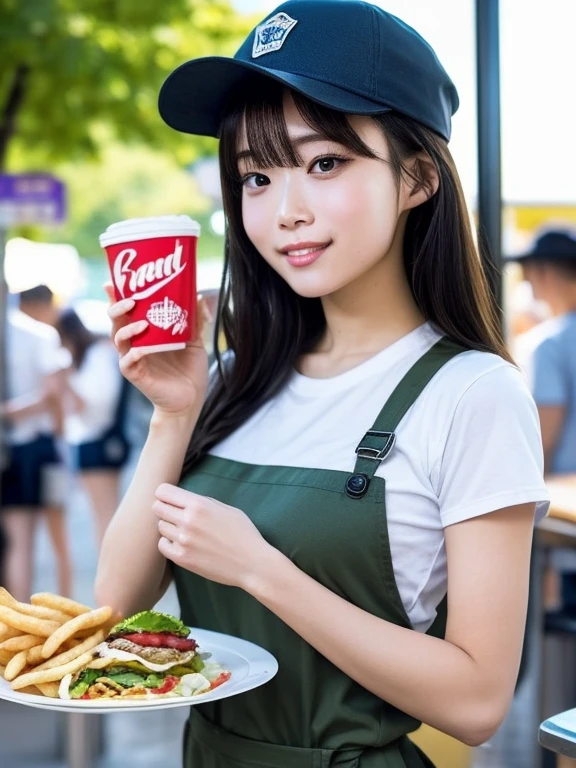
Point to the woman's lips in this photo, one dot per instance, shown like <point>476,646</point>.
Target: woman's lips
<point>306,256</point>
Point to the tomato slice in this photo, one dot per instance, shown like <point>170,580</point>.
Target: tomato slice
<point>161,640</point>
<point>170,682</point>
<point>222,677</point>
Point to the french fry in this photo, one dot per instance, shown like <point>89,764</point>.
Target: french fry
<point>28,625</point>
<point>15,665</point>
<point>5,657</point>
<point>21,643</point>
<point>68,656</point>
<point>59,603</point>
<point>2,670</point>
<point>50,675</point>
<point>40,612</point>
<point>7,632</point>
<point>63,633</point>
<point>49,689</point>
<point>34,656</point>
<point>6,598</point>
<point>100,663</point>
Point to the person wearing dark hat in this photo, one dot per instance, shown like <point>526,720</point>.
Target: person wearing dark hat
<point>355,490</point>
<point>548,351</point>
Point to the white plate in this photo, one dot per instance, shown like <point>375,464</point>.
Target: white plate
<point>251,666</point>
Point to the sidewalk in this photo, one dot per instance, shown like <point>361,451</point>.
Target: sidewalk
<point>33,738</point>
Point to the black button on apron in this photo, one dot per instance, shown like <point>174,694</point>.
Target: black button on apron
<point>357,485</point>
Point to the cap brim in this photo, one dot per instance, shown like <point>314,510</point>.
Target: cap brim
<point>193,99</point>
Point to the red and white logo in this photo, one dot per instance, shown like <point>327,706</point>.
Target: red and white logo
<point>148,278</point>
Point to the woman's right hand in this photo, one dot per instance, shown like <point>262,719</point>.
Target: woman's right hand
<point>176,381</point>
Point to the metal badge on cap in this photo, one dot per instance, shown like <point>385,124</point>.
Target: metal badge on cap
<point>271,35</point>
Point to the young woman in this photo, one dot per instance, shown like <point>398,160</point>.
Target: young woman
<point>96,406</point>
<point>356,487</point>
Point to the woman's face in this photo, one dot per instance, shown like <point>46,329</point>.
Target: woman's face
<point>326,223</point>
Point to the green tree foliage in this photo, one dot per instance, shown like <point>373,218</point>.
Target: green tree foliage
<point>73,73</point>
<point>127,182</point>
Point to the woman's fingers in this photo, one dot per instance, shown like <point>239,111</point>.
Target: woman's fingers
<point>128,332</point>
<point>132,356</point>
<point>109,289</point>
<point>120,308</point>
<point>117,313</point>
<point>203,318</point>
<point>169,531</point>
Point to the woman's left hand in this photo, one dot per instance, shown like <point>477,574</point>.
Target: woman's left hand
<point>207,537</point>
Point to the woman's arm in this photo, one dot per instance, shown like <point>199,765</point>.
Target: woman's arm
<point>132,574</point>
<point>461,685</point>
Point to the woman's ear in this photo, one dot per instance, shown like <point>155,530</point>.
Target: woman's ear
<point>420,180</point>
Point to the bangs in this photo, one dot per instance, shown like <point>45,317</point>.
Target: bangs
<point>260,117</point>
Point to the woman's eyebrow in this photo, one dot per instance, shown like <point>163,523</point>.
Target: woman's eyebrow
<point>307,138</point>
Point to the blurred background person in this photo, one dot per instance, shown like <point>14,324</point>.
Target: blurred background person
<point>96,402</point>
<point>33,414</point>
<point>548,351</point>
<point>547,354</point>
<point>39,304</point>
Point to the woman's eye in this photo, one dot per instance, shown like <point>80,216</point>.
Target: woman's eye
<point>327,164</point>
<point>255,180</point>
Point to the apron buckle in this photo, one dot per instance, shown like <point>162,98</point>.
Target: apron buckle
<point>376,451</point>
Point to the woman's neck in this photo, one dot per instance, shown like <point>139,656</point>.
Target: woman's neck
<point>362,319</point>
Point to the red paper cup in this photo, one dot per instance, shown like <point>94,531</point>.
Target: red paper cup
<point>153,261</point>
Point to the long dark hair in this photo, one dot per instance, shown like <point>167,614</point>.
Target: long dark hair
<point>267,326</point>
<point>75,335</point>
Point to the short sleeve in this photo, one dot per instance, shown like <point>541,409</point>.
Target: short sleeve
<point>492,457</point>
<point>548,380</point>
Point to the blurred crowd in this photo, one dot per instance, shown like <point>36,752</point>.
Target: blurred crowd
<point>70,417</point>
<point>65,421</point>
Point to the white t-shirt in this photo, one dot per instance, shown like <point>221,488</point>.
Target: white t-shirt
<point>32,353</point>
<point>470,445</point>
<point>97,383</point>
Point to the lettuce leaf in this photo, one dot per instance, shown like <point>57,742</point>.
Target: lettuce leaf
<point>195,665</point>
<point>86,678</point>
<point>151,621</point>
<point>191,685</point>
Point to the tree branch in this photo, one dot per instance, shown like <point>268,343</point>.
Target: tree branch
<point>11,108</point>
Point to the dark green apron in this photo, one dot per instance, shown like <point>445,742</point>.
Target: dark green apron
<point>332,525</point>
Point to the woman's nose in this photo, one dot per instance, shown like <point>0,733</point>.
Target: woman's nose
<point>293,207</point>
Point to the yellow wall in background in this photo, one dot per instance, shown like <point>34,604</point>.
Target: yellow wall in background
<point>443,750</point>
<point>529,218</point>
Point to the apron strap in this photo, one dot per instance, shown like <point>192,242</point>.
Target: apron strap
<point>378,442</point>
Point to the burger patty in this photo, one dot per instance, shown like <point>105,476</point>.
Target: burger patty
<point>155,655</point>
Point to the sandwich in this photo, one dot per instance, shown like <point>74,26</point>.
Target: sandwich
<point>146,656</point>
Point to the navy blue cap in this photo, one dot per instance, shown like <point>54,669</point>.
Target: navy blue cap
<point>553,245</point>
<point>345,54</point>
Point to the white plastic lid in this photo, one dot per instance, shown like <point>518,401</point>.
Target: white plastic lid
<point>145,228</point>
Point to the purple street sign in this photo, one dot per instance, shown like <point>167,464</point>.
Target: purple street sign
<point>31,198</point>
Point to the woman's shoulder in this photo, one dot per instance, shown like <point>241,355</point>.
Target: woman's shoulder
<point>476,369</point>
<point>477,384</point>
